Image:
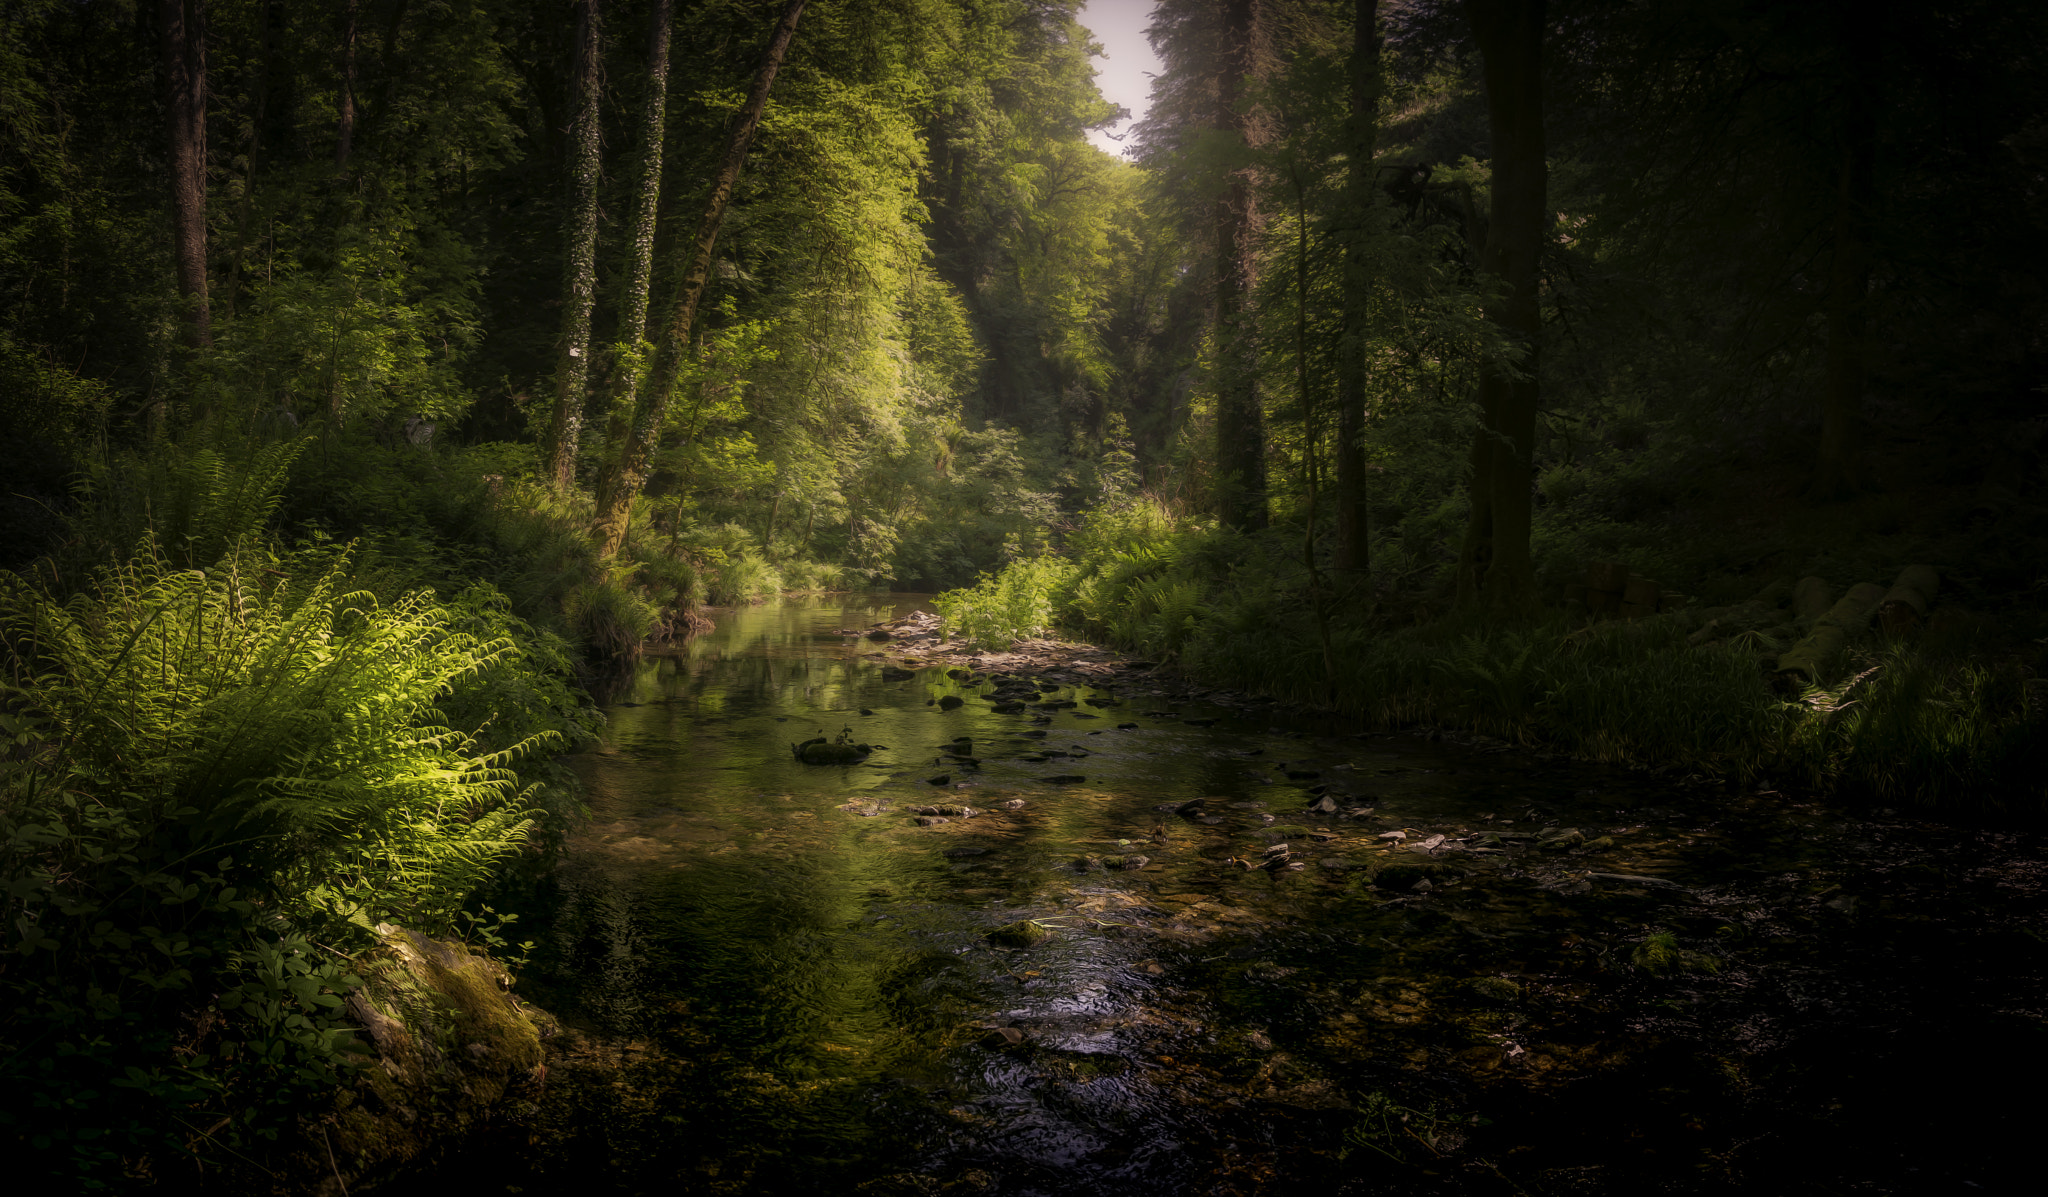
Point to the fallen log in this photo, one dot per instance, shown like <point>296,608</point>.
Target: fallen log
<point>1811,599</point>
<point>1809,661</point>
<point>1906,603</point>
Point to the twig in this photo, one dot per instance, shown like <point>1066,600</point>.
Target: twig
<point>330,1160</point>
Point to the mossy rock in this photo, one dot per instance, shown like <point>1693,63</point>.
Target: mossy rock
<point>818,752</point>
<point>1494,989</point>
<point>1021,934</point>
<point>1404,876</point>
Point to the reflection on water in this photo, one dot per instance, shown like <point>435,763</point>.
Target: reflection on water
<point>781,977</point>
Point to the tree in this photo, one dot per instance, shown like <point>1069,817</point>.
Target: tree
<point>182,37</point>
<point>1240,417</point>
<point>626,470</point>
<point>1835,471</point>
<point>1494,565</point>
<point>1361,194</point>
<point>629,350</point>
<point>579,268</point>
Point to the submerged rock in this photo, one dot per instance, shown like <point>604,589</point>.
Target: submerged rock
<point>1002,1038</point>
<point>1406,876</point>
<point>951,809</point>
<point>891,673</point>
<point>1021,934</point>
<point>952,702</point>
<point>820,752</point>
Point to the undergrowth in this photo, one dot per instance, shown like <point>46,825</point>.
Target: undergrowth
<point>1916,724</point>
<point>222,761</point>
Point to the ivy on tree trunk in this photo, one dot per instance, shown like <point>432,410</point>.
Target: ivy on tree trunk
<point>625,471</point>
<point>579,282</point>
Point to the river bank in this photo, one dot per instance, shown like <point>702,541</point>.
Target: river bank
<point>776,975</point>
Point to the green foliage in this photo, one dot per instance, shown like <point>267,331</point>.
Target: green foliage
<point>1001,609</point>
<point>211,770</point>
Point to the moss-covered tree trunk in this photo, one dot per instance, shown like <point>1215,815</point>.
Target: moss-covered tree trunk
<point>625,470</point>
<point>1361,136</point>
<point>182,38</point>
<point>631,348</point>
<point>1240,417</point>
<point>1494,566</point>
<point>579,267</point>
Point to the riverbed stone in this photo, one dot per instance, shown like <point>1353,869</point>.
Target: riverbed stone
<point>1021,934</point>
<point>1404,876</point>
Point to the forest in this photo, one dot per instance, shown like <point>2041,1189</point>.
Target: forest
<point>444,439</point>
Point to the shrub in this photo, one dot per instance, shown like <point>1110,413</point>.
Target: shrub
<point>208,773</point>
<point>1006,607</point>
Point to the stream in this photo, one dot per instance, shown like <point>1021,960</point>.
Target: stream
<point>1485,971</point>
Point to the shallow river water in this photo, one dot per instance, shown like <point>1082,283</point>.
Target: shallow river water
<point>774,979</point>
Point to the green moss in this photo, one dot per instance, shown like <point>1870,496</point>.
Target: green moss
<point>1021,934</point>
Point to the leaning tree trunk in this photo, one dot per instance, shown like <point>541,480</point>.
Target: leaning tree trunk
<point>579,270</point>
<point>626,470</point>
<point>1361,135</point>
<point>1494,565</point>
<point>1240,417</point>
<point>183,36</point>
<point>632,347</point>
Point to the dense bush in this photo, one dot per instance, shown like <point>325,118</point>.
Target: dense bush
<point>223,764</point>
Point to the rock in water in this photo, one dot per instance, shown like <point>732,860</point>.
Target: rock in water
<point>818,752</point>
<point>931,820</point>
<point>1004,1037</point>
<point>1066,779</point>
<point>1021,934</point>
<point>892,674</point>
<point>941,779</point>
<point>951,702</point>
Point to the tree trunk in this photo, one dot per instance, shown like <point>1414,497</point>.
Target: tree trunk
<point>631,349</point>
<point>1835,473</point>
<point>1360,203</point>
<point>626,470</point>
<point>183,36</point>
<point>579,267</point>
<point>345,114</point>
<point>259,112</point>
<point>1240,417</point>
<point>1494,565</point>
